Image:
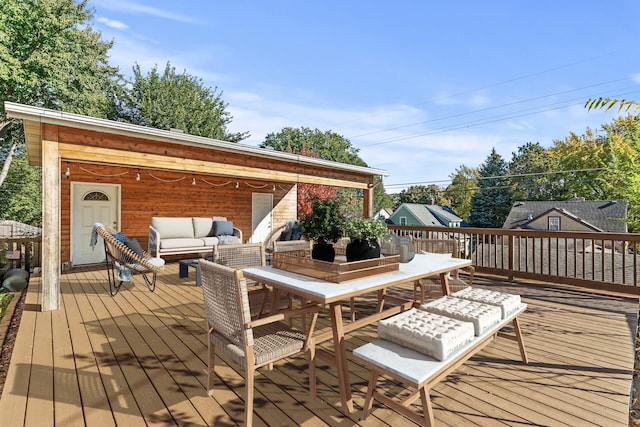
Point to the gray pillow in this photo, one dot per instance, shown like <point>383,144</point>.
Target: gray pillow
<point>134,245</point>
<point>222,228</point>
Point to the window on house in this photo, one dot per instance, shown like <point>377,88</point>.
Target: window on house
<point>403,220</point>
<point>554,223</point>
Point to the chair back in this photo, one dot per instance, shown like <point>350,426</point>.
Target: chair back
<point>300,248</point>
<point>437,246</point>
<point>240,256</point>
<point>226,303</point>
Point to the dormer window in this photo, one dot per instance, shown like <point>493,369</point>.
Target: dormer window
<point>554,223</point>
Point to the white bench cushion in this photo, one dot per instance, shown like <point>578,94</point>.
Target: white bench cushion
<point>481,315</point>
<point>506,302</point>
<point>431,334</point>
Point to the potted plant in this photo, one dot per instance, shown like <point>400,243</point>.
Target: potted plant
<point>364,234</point>
<point>324,226</point>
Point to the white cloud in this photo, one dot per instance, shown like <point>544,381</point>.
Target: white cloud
<point>127,6</point>
<point>118,25</point>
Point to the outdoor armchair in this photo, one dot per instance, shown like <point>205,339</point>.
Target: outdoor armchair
<point>250,343</point>
<point>123,260</point>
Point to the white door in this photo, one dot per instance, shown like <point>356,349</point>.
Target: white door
<point>91,203</point>
<point>261,216</point>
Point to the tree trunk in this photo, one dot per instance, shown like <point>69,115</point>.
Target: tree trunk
<point>7,162</point>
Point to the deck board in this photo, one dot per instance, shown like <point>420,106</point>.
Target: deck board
<point>140,359</point>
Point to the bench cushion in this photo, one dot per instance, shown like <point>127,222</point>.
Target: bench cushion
<point>506,302</point>
<point>181,243</point>
<point>481,315</point>
<point>431,334</point>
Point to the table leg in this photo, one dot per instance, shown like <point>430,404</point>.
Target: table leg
<point>184,270</point>
<point>444,282</point>
<point>341,356</point>
<point>198,280</point>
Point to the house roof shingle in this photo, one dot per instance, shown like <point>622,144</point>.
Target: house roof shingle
<point>605,215</point>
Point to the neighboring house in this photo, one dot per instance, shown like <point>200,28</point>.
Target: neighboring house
<point>383,214</point>
<point>425,215</point>
<point>572,215</point>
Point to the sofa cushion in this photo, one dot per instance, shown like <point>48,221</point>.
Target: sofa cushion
<point>202,227</point>
<point>181,243</point>
<point>172,228</point>
<point>209,241</point>
<point>222,228</point>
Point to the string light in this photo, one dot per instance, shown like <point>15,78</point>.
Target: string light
<point>67,172</point>
<point>138,176</point>
<point>237,184</point>
<point>193,181</point>
<point>274,187</point>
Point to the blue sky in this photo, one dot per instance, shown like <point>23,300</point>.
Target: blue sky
<point>419,87</point>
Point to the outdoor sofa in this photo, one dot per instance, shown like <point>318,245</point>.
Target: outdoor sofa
<point>190,235</point>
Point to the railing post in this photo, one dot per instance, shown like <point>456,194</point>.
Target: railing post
<point>510,260</point>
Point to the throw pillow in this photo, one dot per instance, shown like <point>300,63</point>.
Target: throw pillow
<point>222,228</point>
<point>121,237</point>
<point>134,245</point>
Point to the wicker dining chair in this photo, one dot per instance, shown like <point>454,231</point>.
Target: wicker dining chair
<point>122,262</point>
<point>241,256</point>
<point>432,286</point>
<point>250,343</point>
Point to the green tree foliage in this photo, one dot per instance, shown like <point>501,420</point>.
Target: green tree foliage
<point>492,203</point>
<point>603,166</point>
<point>608,103</point>
<point>464,183</point>
<point>421,194</point>
<point>20,195</point>
<point>49,57</point>
<point>180,101</point>
<point>532,173</point>
<point>327,145</point>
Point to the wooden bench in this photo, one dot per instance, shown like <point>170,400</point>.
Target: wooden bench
<point>422,372</point>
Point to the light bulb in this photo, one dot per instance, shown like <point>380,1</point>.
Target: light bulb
<point>193,181</point>
<point>237,184</point>
<point>137,176</point>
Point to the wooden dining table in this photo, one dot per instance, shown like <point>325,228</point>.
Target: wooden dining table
<point>333,294</point>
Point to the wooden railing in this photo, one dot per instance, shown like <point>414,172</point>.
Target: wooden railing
<point>23,252</point>
<point>604,261</point>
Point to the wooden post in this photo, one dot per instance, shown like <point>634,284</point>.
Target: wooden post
<point>51,173</point>
<point>367,202</point>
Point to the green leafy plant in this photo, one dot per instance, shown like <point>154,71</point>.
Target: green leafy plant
<point>368,229</point>
<point>325,222</point>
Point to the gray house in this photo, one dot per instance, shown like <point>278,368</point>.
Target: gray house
<point>425,215</point>
<point>571,215</point>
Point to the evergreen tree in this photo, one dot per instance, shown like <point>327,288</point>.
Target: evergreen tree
<point>492,203</point>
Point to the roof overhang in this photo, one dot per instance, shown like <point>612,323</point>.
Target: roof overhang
<point>33,117</point>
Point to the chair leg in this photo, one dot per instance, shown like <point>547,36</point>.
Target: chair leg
<point>151,284</point>
<point>210,366</point>
<point>248,396</point>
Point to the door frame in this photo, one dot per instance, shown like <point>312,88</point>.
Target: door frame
<point>74,192</point>
<point>270,227</point>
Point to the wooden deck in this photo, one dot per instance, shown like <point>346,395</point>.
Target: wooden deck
<point>140,359</point>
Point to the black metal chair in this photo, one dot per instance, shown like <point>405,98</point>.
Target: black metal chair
<point>122,262</point>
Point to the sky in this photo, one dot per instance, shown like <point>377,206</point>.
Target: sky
<point>418,87</point>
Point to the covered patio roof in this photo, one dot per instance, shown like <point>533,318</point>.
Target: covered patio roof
<point>54,137</point>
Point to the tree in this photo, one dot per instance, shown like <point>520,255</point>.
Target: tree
<point>20,194</point>
<point>532,173</point>
<point>50,57</point>
<point>490,206</point>
<point>608,103</point>
<point>421,194</point>
<point>179,101</point>
<point>464,183</point>
<point>327,145</point>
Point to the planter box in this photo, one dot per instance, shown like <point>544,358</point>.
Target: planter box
<point>336,271</point>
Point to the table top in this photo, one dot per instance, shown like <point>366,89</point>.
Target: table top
<point>322,291</point>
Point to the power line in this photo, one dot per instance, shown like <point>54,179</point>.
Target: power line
<point>499,177</point>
